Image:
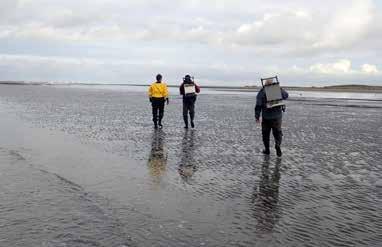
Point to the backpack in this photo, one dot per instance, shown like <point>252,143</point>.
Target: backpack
<point>189,89</point>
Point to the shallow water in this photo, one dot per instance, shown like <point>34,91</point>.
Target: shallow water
<point>175,90</point>
<point>209,186</point>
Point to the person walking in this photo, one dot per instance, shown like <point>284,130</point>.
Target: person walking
<point>271,119</point>
<point>158,94</point>
<point>189,90</point>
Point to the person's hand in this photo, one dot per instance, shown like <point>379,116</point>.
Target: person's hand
<point>150,99</point>
<point>168,101</point>
<point>258,120</point>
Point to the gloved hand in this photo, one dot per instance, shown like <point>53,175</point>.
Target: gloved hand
<point>151,100</point>
<point>168,101</point>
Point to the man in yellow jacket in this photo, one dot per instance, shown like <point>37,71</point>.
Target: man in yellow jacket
<point>158,93</point>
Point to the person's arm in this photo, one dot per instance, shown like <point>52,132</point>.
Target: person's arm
<point>166,94</point>
<point>197,88</point>
<point>258,107</point>
<point>181,89</point>
<point>284,94</point>
<point>150,93</point>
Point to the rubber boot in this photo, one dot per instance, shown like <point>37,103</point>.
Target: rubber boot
<point>185,118</point>
<point>278,151</point>
<point>192,114</point>
<point>266,150</point>
<point>160,123</point>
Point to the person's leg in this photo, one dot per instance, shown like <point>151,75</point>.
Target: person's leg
<point>161,111</point>
<point>277,134</point>
<point>185,113</point>
<point>266,132</point>
<point>192,112</point>
<point>154,106</point>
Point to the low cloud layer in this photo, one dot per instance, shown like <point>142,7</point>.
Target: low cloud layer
<point>219,42</point>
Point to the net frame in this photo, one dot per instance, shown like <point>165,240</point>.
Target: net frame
<point>272,91</point>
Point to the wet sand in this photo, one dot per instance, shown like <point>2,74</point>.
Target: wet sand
<point>84,167</point>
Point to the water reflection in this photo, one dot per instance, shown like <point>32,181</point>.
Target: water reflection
<point>158,157</point>
<point>266,196</point>
<point>187,166</point>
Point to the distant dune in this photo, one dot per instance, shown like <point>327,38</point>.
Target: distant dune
<point>22,83</point>
<point>353,88</point>
<point>341,88</point>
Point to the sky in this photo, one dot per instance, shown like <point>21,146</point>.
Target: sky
<point>219,42</point>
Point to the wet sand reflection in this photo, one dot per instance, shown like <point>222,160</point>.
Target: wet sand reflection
<point>187,166</point>
<point>157,161</point>
<point>266,196</point>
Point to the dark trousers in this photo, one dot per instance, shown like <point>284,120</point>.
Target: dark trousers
<point>275,125</point>
<point>158,109</point>
<point>188,108</point>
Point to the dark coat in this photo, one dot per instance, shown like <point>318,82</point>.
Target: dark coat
<point>181,91</point>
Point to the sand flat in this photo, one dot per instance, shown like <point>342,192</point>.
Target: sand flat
<point>209,186</point>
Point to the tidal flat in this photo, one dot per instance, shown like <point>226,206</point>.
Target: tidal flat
<point>83,166</point>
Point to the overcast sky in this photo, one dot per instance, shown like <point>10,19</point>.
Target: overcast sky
<point>219,42</point>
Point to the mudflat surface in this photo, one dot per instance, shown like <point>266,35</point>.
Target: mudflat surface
<point>173,187</point>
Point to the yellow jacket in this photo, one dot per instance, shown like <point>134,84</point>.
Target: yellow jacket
<point>158,90</point>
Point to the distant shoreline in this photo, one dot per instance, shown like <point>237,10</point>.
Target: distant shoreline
<point>353,88</point>
<point>313,89</point>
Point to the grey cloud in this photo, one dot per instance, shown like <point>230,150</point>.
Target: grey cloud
<point>297,30</point>
<point>305,31</point>
<point>62,69</point>
<point>221,40</point>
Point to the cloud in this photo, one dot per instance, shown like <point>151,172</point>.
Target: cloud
<point>218,39</point>
<point>342,66</point>
<point>369,69</point>
<point>348,26</point>
<point>274,29</point>
<point>69,69</point>
<point>307,31</point>
<point>292,28</point>
<point>6,7</point>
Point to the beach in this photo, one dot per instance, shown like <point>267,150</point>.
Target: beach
<point>83,166</point>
